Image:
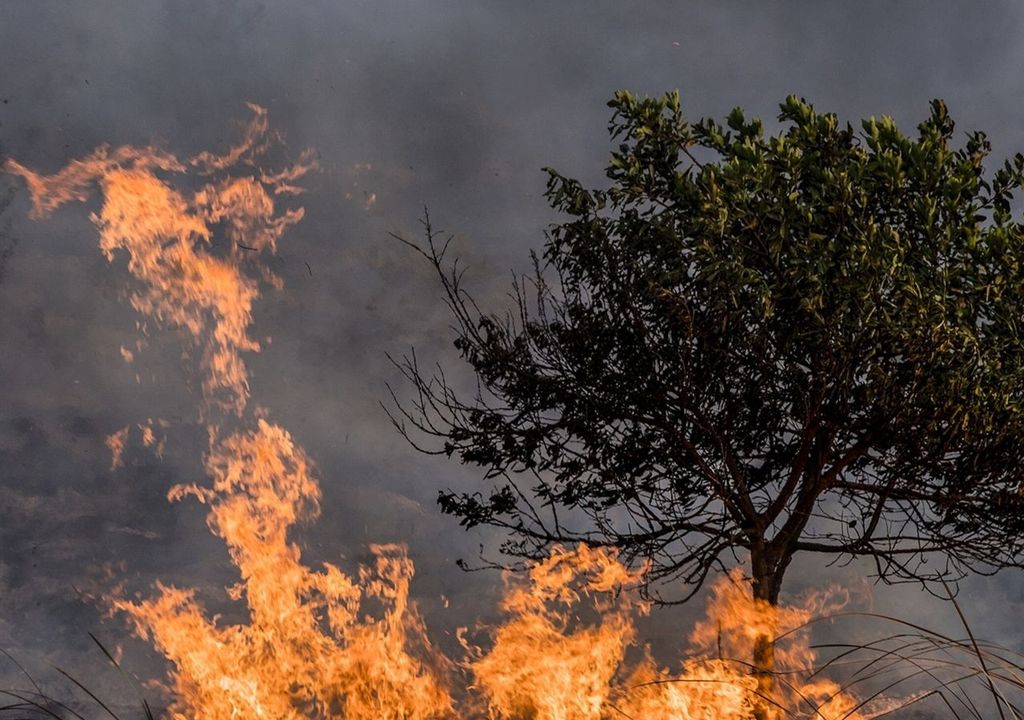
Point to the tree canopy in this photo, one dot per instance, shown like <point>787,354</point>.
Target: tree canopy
<point>751,345</point>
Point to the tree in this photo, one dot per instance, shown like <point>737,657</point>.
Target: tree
<point>750,346</point>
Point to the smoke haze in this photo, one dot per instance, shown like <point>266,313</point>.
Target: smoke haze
<point>453,106</point>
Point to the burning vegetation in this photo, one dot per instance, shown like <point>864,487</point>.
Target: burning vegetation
<point>324,643</point>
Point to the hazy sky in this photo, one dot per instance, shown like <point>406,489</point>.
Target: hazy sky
<point>453,105</point>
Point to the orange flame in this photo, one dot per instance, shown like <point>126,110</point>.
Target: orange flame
<point>327,644</point>
<point>717,680</point>
<point>306,650</point>
<point>169,239</point>
<point>547,665</point>
<point>115,443</point>
<point>309,648</point>
<point>539,667</point>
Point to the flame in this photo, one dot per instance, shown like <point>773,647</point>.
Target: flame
<point>306,650</point>
<point>546,664</point>
<point>330,644</point>
<point>150,438</point>
<point>538,666</point>
<point>116,443</point>
<point>311,646</point>
<point>168,237</point>
<point>717,680</point>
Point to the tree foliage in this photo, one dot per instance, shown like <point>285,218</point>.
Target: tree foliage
<point>752,345</point>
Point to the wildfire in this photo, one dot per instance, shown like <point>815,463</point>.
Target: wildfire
<point>329,644</point>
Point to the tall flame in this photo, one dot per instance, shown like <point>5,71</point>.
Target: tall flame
<point>306,650</point>
<point>329,644</point>
<point>309,647</point>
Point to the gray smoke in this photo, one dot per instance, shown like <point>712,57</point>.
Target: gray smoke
<point>455,106</point>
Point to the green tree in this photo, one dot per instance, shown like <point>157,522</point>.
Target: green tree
<point>751,346</point>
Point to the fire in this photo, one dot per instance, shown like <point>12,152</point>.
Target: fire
<point>307,649</point>
<point>115,443</point>
<point>168,237</point>
<point>548,665</point>
<point>717,681</point>
<point>326,643</point>
<point>539,667</point>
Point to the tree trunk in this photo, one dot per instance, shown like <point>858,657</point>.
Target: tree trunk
<point>768,569</point>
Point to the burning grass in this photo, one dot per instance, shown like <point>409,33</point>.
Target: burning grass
<point>545,664</point>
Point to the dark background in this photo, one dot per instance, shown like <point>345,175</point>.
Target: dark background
<point>455,105</point>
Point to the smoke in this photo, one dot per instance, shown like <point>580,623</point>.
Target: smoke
<point>418,103</point>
